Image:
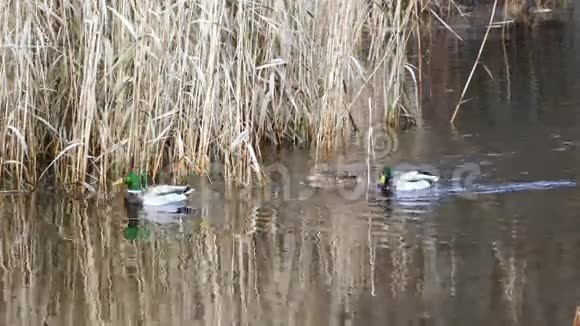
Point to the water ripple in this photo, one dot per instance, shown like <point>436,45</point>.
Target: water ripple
<point>420,202</point>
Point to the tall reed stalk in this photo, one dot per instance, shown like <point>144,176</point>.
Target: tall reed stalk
<point>92,89</point>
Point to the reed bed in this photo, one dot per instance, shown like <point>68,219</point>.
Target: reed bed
<point>93,89</point>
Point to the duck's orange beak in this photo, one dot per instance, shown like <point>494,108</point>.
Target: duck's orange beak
<point>118,182</point>
<point>382,180</point>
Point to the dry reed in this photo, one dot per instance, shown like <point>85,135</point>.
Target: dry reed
<point>477,62</point>
<point>93,89</point>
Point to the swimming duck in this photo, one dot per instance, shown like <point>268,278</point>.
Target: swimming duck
<point>330,180</point>
<point>406,181</point>
<point>138,192</point>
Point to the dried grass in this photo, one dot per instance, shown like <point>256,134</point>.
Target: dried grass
<point>93,89</point>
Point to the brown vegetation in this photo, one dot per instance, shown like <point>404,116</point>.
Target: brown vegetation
<point>90,89</point>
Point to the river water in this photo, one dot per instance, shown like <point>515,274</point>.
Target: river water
<point>497,243</point>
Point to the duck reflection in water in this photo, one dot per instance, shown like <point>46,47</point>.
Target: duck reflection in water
<point>141,223</point>
<point>135,230</point>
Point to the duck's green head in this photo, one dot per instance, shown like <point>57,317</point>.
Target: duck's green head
<point>385,176</point>
<point>133,181</point>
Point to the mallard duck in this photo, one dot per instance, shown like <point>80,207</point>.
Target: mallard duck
<point>329,180</point>
<point>406,181</point>
<point>138,191</point>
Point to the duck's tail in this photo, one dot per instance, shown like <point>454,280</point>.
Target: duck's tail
<point>432,178</point>
<point>428,176</point>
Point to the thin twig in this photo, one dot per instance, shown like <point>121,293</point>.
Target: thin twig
<point>354,126</point>
<point>475,64</point>
<point>505,57</point>
<point>445,24</point>
<point>369,146</point>
<point>577,317</point>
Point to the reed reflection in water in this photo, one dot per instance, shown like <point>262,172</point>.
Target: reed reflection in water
<point>64,262</point>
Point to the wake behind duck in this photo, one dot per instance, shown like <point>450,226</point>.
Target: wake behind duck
<point>419,186</point>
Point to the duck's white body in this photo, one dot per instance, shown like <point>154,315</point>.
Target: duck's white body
<point>413,180</point>
<point>160,195</point>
